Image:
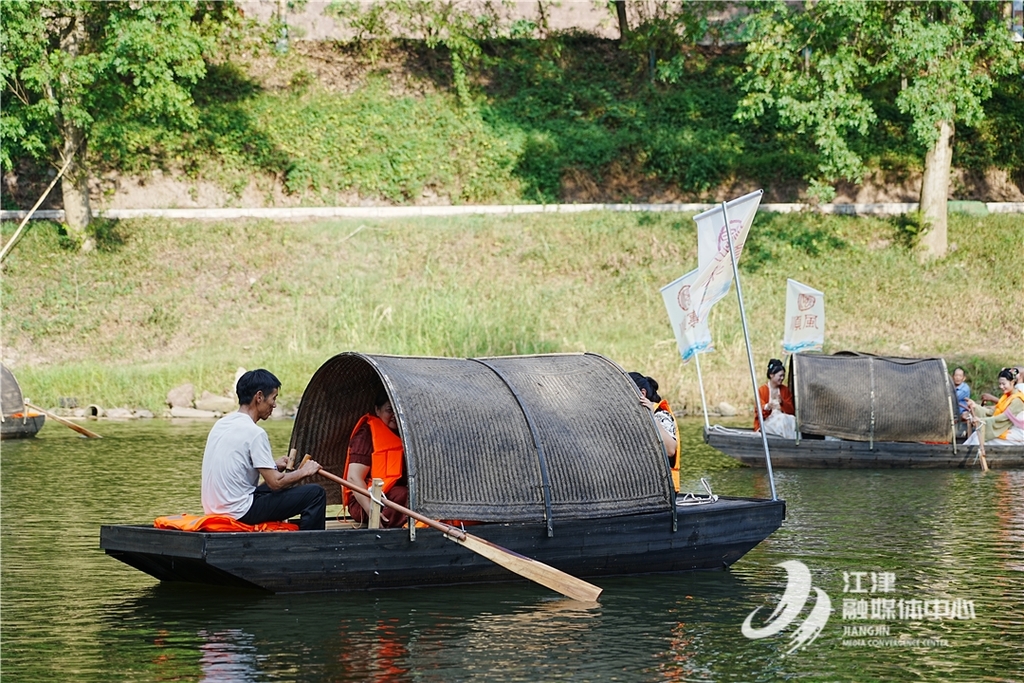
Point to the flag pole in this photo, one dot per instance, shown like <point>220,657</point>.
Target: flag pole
<point>750,353</point>
<point>703,400</point>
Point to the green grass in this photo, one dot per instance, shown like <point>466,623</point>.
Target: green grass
<point>548,117</point>
<point>162,303</point>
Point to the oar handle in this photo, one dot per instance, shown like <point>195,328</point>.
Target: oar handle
<point>433,523</point>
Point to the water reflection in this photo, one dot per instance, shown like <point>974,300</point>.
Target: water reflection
<point>71,613</point>
<point>652,628</point>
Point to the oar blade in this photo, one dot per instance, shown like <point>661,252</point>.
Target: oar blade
<point>67,423</point>
<point>555,579</point>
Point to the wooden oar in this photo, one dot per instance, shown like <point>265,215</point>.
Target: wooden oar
<point>545,575</point>
<point>981,446</point>
<point>67,423</point>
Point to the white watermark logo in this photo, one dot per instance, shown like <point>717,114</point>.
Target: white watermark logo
<point>868,611</point>
<point>798,589</point>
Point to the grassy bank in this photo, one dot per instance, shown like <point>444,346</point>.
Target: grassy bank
<point>163,303</point>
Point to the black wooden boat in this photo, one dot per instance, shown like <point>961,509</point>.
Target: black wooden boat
<point>745,445</point>
<point>863,404</point>
<point>553,455</point>
<point>16,420</point>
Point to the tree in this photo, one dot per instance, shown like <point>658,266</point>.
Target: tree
<point>69,65</point>
<point>664,33</point>
<point>933,60</point>
<point>458,25</point>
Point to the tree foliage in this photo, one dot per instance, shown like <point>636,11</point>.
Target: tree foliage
<point>458,25</point>
<point>815,65</point>
<point>71,66</point>
<point>139,60</point>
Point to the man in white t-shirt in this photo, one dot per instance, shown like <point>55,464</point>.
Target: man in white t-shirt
<point>238,454</point>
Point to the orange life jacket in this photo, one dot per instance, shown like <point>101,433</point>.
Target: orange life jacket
<point>386,462</point>
<point>186,522</point>
<point>679,443</point>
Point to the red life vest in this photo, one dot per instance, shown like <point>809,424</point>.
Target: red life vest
<point>386,461</point>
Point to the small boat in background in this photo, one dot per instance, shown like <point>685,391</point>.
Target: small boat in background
<point>16,420</point>
<point>857,410</point>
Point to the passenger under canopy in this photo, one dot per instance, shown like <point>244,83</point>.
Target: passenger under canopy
<point>507,439</point>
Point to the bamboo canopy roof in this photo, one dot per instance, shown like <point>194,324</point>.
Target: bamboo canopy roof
<point>505,439</point>
<point>863,397</point>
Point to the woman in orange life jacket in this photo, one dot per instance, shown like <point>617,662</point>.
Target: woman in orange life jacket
<point>375,452</point>
<point>662,414</point>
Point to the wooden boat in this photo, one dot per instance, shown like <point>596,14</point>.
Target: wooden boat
<point>859,402</point>
<point>16,421</point>
<point>552,456</point>
<point>745,445</point>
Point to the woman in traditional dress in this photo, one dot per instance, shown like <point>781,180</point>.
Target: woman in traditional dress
<point>776,410</point>
<point>1003,421</point>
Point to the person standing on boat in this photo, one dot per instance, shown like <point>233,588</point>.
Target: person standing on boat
<point>375,452</point>
<point>776,409</point>
<point>1002,420</point>
<point>238,454</point>
<point>663,416</point>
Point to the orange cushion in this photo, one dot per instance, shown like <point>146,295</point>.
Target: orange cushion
<point>186,522</point>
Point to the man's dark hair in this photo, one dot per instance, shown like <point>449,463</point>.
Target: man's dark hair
<point>254,381</point>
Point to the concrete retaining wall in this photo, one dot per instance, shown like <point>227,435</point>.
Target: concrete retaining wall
<point>304,212</point>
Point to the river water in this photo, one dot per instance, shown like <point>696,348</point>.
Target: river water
<point>898,554</point>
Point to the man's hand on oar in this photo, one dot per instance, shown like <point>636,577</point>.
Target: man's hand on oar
<point>308,466</point>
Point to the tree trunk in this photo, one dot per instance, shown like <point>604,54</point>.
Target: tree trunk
<point>620,12</point>
<point>74,187</point>
<point>75,183</point>
<point>934,192</point>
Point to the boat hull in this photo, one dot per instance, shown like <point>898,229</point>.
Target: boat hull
<point>21,428</point>
<point>746,446</point>
<point>708,536</point>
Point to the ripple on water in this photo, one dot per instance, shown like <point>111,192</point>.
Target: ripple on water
<point>71,613</point>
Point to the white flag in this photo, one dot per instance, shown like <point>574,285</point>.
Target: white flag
<point>692,334</point>
<point>713,258</point>
<point>805,318</point>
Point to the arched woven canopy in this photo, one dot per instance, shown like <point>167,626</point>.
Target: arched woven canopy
<point>862,397</point>
<point>510,439</point>
<point>11,400</point>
